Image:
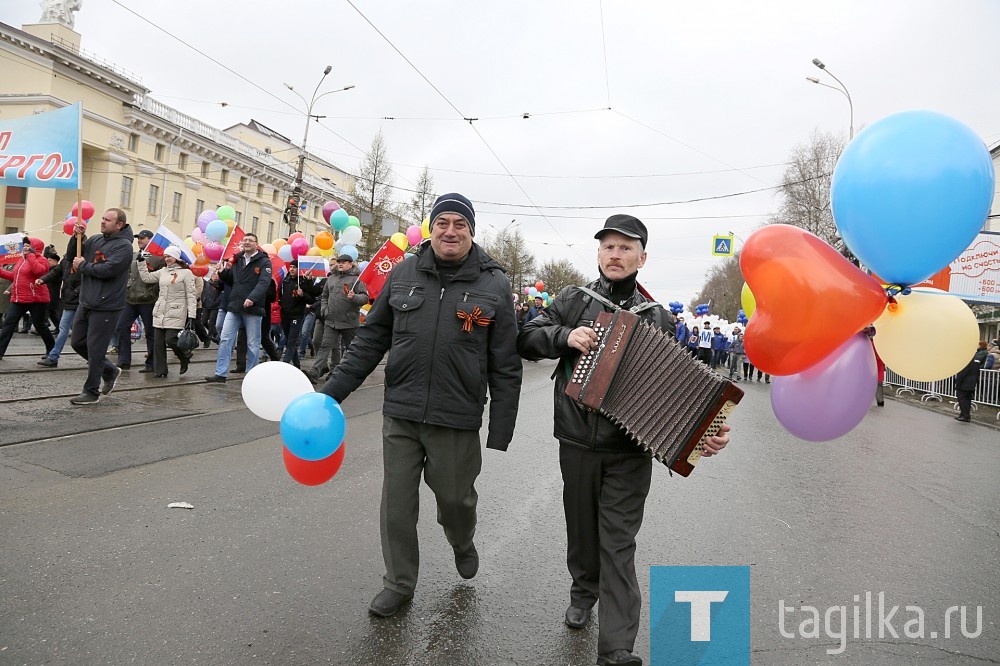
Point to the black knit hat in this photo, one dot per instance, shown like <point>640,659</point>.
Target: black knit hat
<point>457,204</point>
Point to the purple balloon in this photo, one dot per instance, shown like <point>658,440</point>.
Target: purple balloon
<point>829,399</point>
<point>328,209</point>
<point>205,217</point>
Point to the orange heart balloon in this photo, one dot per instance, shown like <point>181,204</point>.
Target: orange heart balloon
<point>810,299</point>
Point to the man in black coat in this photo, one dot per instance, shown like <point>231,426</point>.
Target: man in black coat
<point>444,317</point>
<point>103,270</point>
<point>606,476</point>
<point>966,382</point>
<point>248,276</point>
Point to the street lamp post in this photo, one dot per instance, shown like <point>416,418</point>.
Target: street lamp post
<point>842,89</point>
<point>292,209</point>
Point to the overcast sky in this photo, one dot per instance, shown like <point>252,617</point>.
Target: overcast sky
<point>706,99</point>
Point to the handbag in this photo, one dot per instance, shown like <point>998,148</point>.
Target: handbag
<point>187,339</point>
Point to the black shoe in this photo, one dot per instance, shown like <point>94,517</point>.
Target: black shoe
<point>387,602</point>
<point>86,399</point>
<point>160,375</point>
<point>576,618</point>
<point>125,366</point>
<point>618,658</point>
<point>962,419</point>
<point>239,370</point>
<point>880,404</point>
<point>146,369</point>
<point>467,562</point>
<point>215,379</point>
<point>109,384</point>
<point>205,344</point>
<point>184,366</point>
<point>48,363</point>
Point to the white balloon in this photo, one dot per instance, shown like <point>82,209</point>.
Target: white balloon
<point>269,388</point>
<point>350,235</point>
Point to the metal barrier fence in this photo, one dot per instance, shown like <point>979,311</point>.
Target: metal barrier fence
<point>987,393</point>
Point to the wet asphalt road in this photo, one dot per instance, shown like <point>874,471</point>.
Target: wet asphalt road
<point>95,569</point>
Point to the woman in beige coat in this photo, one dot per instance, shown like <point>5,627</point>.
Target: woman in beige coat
<point>174,307</point>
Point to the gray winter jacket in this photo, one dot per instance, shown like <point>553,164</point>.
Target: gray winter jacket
<point>338,311</point>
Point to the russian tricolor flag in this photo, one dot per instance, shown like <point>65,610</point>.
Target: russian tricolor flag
<point>164,238</point>
<point>12,244</point>
<point>314,267</point>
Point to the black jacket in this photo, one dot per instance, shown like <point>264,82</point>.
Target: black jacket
<point>248,281</point>
<point>446,343</point>
<point>294,307</point>
<point>967,378</point>
<point>546,336</point>
<point>104,272</point>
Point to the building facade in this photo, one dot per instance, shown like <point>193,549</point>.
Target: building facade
<point>156,163</point>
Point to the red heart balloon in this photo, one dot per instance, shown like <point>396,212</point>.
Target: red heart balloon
<point>810,299</point>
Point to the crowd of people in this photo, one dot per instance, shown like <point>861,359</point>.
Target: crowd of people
<point>112,291</point>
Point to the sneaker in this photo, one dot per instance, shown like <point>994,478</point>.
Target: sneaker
<point>48,363</point>
<point>184,366</point>
<point>215,379</point>
<point>85,399</point>
<point>109,384</point>
<point>239,370</point>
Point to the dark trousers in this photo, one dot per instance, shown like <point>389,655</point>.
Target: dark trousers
<point>199,327</point>
<point>131,312</point>
<point>333,338</point>
<point>292,328</point>
<point>164,338</point>
<point>450,461</point>
<point>705,355</point>
<point>964,403</point>
<point>38,319</point>
<point>604,495</point>
<point>92,330</point>
<point>207,319</point>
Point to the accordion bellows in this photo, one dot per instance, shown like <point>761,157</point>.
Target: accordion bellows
<point>646,383</point>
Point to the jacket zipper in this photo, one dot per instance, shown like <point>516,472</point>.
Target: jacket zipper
<point>427,384</point>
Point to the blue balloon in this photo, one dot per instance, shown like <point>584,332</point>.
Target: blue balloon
<point>338,219</point>
<point>313,426</point>
<point>351,250</point>
<point>910,193</point>
<point>216,230</point>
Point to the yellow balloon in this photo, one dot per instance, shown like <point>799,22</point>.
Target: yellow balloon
<point>748,301</point>
<point>313,252</point>
<point>279,243</point>
<point>189,242</point>
<point>399,240</point>
<point>232,225</point>
<point>425,228</point>
<point>328,252</point>
<point>270,249</point>
<point>927,335</point>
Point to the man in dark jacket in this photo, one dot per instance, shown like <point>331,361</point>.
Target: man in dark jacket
<point>444,316</point>
<point>340,308</point>
<point>294,295</point>
<point>966,382</point>
<point>248,276</point>
<point>606,476</point>
<point>103,270</point>
<point>140,297</point>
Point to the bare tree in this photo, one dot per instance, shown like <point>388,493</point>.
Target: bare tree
<point>372,194</point>
<point>509,249</point>
<point>722,289</point>
<point>559,274</point>
<point>805,187</point>
<point>423,199</point>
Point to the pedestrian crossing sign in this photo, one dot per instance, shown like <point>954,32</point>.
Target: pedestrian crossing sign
<point>722,246</point>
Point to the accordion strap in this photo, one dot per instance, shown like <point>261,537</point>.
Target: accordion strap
<point>642,307</point>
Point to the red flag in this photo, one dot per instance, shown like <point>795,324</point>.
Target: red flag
<point>233,246</point>
<point>377,270</point>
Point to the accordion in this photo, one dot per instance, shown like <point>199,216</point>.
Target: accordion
<point>647,384</point>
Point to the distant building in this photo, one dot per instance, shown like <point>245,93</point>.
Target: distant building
<point>156,163</point>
